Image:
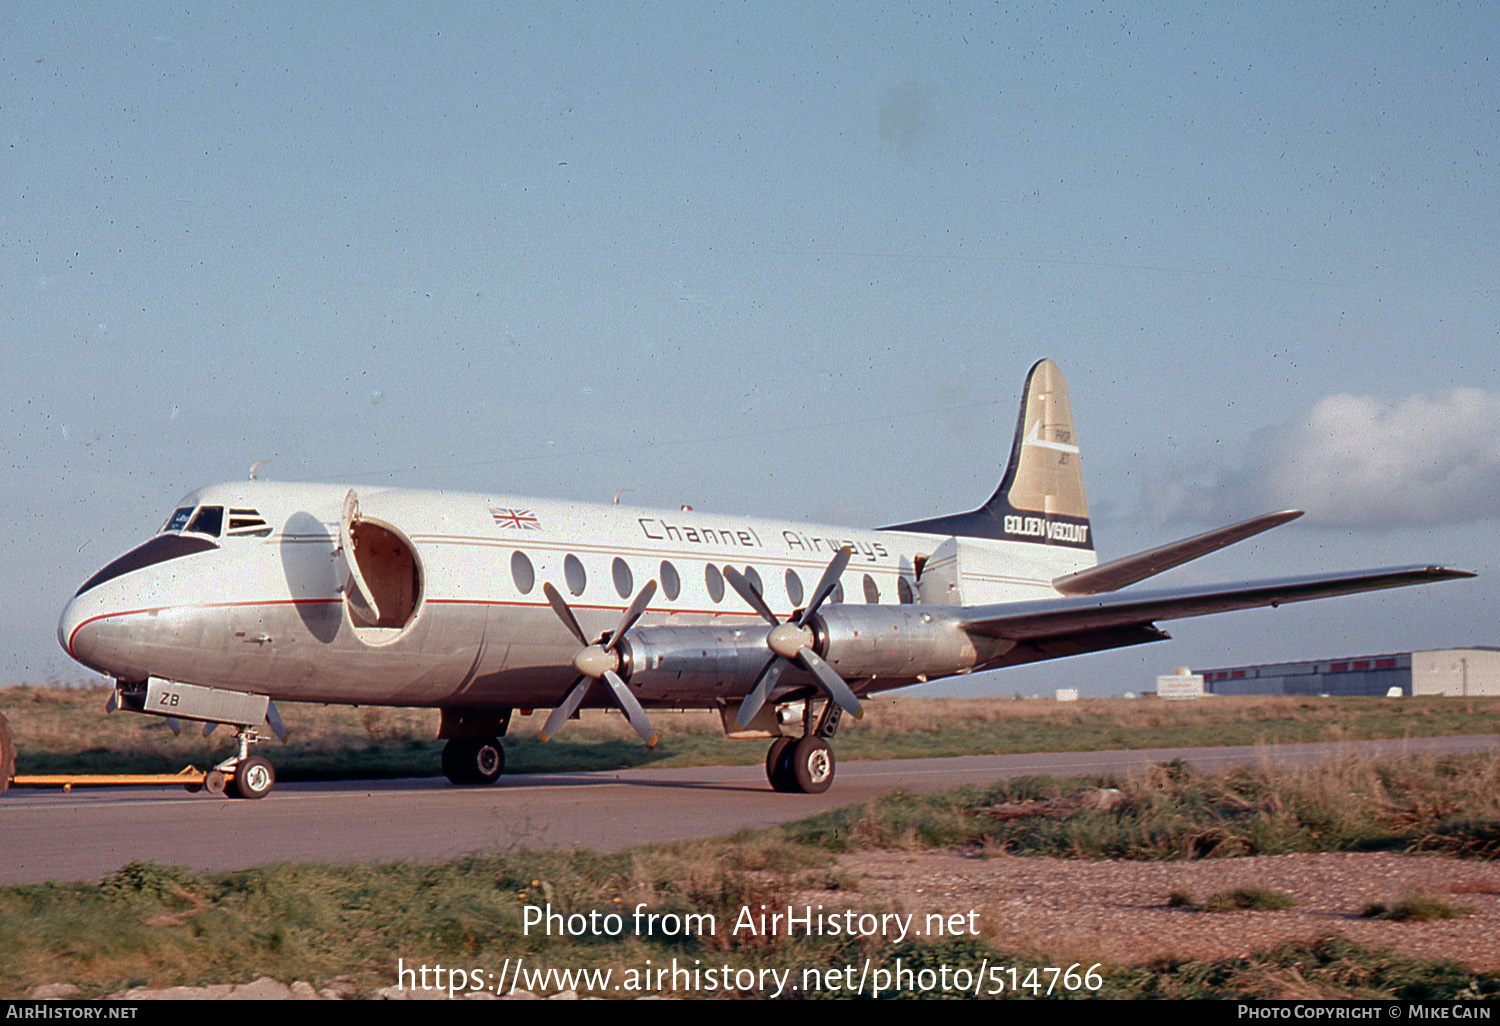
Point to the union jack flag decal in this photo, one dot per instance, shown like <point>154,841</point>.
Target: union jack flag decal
<point>516,519</point>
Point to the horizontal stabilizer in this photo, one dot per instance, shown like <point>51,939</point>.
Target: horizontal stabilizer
<point>1027,621</point>
<point>1118,573</point>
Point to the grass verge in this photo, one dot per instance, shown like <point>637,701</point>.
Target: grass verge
<point>1446,805</point>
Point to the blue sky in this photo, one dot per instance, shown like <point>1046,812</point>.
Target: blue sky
<point>787,260</point>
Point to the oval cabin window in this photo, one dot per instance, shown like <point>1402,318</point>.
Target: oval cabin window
<point>522,572</point>
<point>624,581</point>
<point>574,575</point>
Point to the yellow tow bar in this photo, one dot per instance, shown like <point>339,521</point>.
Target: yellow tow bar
<point>191,778</point>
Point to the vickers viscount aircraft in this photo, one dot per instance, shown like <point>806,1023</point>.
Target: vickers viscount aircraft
<point>479,605</point>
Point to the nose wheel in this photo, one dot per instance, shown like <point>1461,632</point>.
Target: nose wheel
<point>246,775</point>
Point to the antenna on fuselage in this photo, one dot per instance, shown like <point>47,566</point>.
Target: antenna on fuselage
<point>254,467</point>
<point>621,492</point>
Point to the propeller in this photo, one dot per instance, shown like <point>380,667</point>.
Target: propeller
<point>600,661</point>
<point>792,642</point>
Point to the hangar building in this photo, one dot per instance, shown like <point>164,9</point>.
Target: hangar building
<point>1455,672</point>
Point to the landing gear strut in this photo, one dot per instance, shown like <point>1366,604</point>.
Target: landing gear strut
<point>805,765</point>
<point>248,776</point>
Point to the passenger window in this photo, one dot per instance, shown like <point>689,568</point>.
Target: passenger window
<point>624,581</point>
<point>872,593</point>
<point>754,579</point>
<point>838,593</point>
<point>793,588</point>
<point>903,592</point>
<point>671,584</point>
<point>522,572</point>
<point>209,521</point>
<point>573,573</point>
<point>715,582</point>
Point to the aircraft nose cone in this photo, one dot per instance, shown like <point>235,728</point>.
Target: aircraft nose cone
<point>81,631</point>
<point>71,617</point>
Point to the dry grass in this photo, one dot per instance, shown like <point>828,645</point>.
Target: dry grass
<point>1449,805</point>
<point>1416,908</point>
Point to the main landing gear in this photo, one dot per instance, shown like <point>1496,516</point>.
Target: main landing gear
<point>805,765</point>
<point>473,756</point>
<point>469,760</point>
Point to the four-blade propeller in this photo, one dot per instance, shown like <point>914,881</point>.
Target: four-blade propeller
<point>600,661</point>
<point>792,642</point>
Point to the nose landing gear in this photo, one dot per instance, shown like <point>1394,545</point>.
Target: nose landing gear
<point>247,776</point>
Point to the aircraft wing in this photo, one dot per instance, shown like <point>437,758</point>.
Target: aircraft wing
<point>1129,615</point>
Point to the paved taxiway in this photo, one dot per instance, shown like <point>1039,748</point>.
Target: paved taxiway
<point>49,835</point>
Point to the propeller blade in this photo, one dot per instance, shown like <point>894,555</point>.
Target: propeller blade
<point>747,591</point>
<point>631,615</point>
<point>114,701</point>
<point>174,725</point>
<point>563,612</point>
<point>769,675</point>
<point>569,706</point>
<point>209,728</point>
<point>831,683</point>
<point>826,584</point>
<point>633,711</point>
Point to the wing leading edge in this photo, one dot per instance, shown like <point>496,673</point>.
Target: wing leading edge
<point>1073,624</point>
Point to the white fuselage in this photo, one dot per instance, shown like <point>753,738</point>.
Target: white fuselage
<point>464,620</point>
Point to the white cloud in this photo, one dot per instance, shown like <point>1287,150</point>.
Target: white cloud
<point>1357,462</point>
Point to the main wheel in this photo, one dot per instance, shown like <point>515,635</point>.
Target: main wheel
<point>469,760</point>
<point>776,763</point>
<point>811,765</point>
<point>253,778</point>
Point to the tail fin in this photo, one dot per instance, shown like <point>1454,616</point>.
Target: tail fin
<point>1040,498</point>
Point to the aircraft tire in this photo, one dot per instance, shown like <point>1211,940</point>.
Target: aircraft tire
<point>473,761</point>
<point>812,766</point>
<point>7,755</point>
<point>776,763</point>
<point>253,778</point>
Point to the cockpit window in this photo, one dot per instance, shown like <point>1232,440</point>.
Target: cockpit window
<point>178,520</point>
<point>209,521</point>
<point>247,522</point>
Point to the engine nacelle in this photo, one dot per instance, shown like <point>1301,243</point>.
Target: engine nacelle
<point>897,643</point>
<point>660,662</point>
<point>902,642</point>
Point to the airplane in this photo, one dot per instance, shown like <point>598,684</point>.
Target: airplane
<point>259,591</point>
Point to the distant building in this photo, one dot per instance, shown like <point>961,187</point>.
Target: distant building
<point>1182,684</point>
<point>1067,694</point>
<point>1455,672</point>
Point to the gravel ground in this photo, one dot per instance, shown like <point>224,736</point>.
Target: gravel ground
<point>1118,911</point>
